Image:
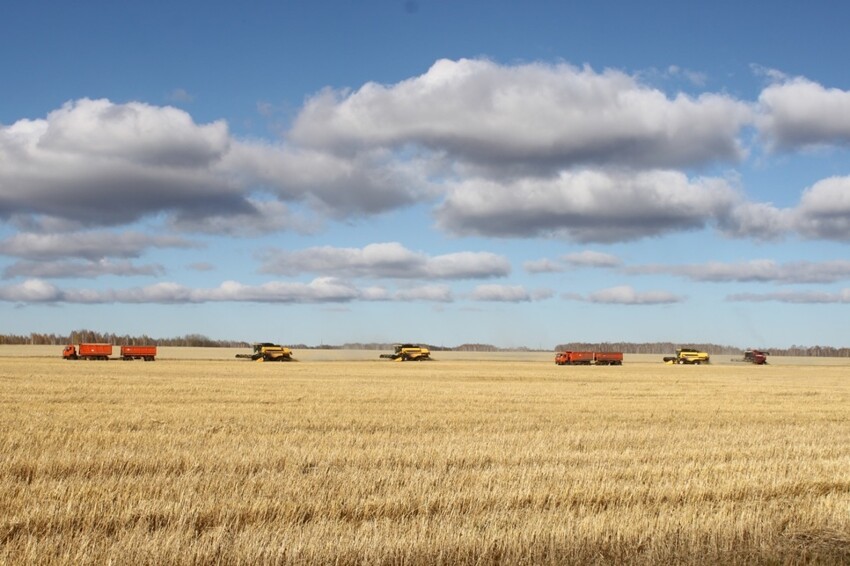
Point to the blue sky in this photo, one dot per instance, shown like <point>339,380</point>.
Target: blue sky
<point>521,174</point>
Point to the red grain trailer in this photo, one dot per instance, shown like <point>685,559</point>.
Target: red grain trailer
<point>609,358</point>
<point>147,353</point>
<point>588,358</point>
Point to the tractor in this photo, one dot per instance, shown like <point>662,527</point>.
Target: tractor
<point>268,352</point>
<point>408,353</point>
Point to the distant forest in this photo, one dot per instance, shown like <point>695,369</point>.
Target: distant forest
<point>201,341</point>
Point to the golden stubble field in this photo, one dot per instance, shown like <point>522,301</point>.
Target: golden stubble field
<point>457,461</point>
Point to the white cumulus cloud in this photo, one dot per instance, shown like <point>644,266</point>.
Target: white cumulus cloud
<point>626,295</point>
<point>799,113</point>
<point>586,206</point>
<point>385,260</point>
<point>530,116</point>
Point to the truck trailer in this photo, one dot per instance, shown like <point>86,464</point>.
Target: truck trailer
<point>87,352</point>
<point>147,353</point>
<point>589,358</point>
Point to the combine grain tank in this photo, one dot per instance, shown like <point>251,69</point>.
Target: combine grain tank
<point>87,352</point>
<point>147,353</point>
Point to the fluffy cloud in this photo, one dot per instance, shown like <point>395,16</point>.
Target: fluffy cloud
<point>760,270</point>
<point>531,117</point>
<point>104,164</point>
<point>92,245</point>
<point>586,206</point>
<point>338,185</point>
<point>319,290</point>
<point>796,297</point>
<point>30,291</point>
<point>528,150</point>
<point>500,293</point>
<point>626,295</point>
<point>799,113</point>
<point>824,210</point>
<point>508,294</point>
<point>430,293</point>
<point>586,258</point>
<point>543,265</point>
<point>259,217</point>
<point>385,260</point>
<point>590,258</point>
<point>96,163</point>
<point>79,269</point>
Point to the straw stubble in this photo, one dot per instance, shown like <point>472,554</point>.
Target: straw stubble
<point>445,462</point>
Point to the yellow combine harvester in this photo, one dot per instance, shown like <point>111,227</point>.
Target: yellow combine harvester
<point>268,352</point>
<point>687,356</point>
<point>409,353</point>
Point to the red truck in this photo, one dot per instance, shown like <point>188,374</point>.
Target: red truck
<point>589,358</point>
<point>147,353</point>
<point>87,352</point>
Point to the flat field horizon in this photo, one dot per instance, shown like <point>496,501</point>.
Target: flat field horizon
<point>473,458</point>
<point>359,355</point>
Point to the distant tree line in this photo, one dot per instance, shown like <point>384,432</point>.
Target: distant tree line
<point>79,336</point>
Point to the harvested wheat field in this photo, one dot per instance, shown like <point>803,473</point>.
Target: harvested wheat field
<point>455,461</point>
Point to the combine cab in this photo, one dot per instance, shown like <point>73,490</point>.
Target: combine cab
<point>268,352</point>
<point>687,356</point>
<point>756,357</point>
<point>409,353</point>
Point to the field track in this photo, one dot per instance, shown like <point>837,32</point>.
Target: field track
<point>470,459</point>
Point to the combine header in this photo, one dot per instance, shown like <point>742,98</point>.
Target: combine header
<point>687,356</point>
<point>756,357</point>
<point>589,358</point>
<point>268,352</point>
<point>409,353</point>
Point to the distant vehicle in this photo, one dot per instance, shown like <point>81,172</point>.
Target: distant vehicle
<point>756,357</point>
<point>268,352</point>
<point>104,351</point>
<point>408,353</point>
<point>688,356</point>
<point>87,352</point>
<point>589,358</point>
<point>147,353</point>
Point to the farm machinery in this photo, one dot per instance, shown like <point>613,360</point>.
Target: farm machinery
<point>589,358</point>
<point>687,356</point>
<point>268,352</point>
<point>104,351</point>
<point>408,353</point>
<point>756,357</point>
